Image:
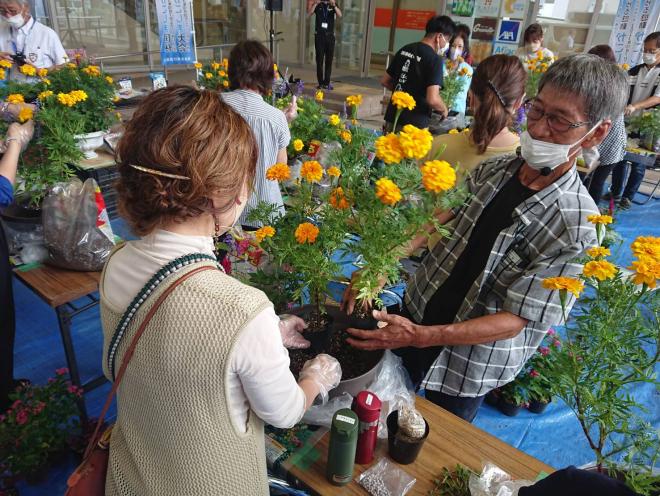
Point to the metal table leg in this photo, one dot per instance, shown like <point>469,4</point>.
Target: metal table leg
<point>64,320</point>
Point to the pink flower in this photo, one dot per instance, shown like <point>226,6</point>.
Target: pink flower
<point>556,343</point>
<point>62,371</point>
<point>15,404</point>
<point>551,332</point>
<point>243,246</point>
<point>39,408</point>
<point>75,390</point>
<point>544,350</point>
<point>534,373</point>
<point>22,417</point>
<point>2,418</point>
<point>51,380</point>
<point>226,264</point>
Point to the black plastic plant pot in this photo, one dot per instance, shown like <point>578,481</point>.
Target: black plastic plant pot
<point>492,398</point>
<point>401,451</point>
<point>509,409</point>
<point>538,406</point>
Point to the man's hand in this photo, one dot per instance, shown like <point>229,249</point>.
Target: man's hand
<point>629,109</point>
<point>333,3</point>
<point>398,332</point>
<point>291,112</point>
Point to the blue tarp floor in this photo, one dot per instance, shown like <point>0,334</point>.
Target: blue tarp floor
<point>553,437</point>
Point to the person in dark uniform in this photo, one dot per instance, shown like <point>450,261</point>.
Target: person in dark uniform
<point>324,37</point>
<point>417,70</point>
<point>17,139</point>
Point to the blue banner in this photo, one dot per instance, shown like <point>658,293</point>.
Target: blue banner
<point>177,42</point>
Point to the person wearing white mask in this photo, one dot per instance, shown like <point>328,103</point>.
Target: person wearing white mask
<point>24,40</point>
<point>533,39</point>
<point>417,69</point>
<point>476,309</point>
<point>456,63</point>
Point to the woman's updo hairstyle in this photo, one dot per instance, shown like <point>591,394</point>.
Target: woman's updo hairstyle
<point>185,132</point>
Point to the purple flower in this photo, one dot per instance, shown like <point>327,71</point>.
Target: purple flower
<point>551,332</point>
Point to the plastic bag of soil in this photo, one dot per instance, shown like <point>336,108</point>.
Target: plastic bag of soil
<point>77,229</point>
<point>386,479</point>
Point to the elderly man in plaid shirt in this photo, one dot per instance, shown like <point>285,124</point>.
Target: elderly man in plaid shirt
<point>475,311</point>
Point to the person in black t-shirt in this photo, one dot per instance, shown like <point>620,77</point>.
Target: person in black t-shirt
<point>324,37</point>
<point>417,70</point>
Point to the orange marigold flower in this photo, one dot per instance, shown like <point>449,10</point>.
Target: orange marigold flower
<point>561,283</point>
<point>387,191</point>
<point>264,232</point>
<point>338,199</point>
<point>647,271</point>
<point>311,171</point>
<point>334,171</point>
<point>306,233</point>
<point>278,172</point>
<point>600,269</point>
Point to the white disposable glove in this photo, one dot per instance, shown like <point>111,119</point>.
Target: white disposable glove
<point>290,329</point>
<point>291,112</point>
<point>325,371</point>
<point>21,132</point>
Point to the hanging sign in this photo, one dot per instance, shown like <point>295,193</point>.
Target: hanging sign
<point>175,28</point>
<point>509,31</point>
<point>463,8</point>
<point>489,8</point>
<point>484,28</point>
<point>635,19</point>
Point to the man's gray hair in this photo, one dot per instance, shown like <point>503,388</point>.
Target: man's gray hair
<point>601,84</point>
<point>20,2</point>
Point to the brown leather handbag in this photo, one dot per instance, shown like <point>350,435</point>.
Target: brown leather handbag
<point>89,477</point>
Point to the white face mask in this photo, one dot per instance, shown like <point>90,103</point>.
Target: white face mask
<point>649,58</point>
<point>454,53</point>
<point>534,47</point>
<point>16,21</point>
<point>544,156</point>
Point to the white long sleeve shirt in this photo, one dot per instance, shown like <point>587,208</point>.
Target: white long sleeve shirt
<point>259,377</point>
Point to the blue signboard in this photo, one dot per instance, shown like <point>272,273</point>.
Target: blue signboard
<point>509,32</point>
<point>177,43</point>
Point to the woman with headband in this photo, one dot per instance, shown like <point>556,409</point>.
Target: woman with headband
<point>210,366</point>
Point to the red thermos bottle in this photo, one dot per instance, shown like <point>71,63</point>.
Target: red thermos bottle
<point>367,407</point>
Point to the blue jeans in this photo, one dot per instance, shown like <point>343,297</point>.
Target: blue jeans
<point>463,407</point>
<point>635,178</point>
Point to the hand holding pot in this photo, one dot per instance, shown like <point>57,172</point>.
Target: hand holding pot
<point>290,329</point>
<point>325,371</point>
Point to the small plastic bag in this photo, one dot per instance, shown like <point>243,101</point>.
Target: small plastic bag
<point>494,481</point>
<point>386,479</point>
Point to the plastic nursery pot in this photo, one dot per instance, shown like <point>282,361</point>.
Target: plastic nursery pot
<point>508,409</point>
<point>492,398</point>
<point>401,451</point>
<point>538,406</point>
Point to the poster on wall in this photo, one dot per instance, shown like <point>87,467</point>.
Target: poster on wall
<point>468,21</point>
<point>177,45</point>
<point>480,50</point>
<point>505,48</point>
<point>484,29</point>
<point>635,19</point>
<point>509,31</point>
<point>487,8</point>
<point>463,8</point>
<point>513,9</point>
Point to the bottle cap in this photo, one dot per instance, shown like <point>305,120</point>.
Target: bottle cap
<point>345,423</point>
<point>367,406</point>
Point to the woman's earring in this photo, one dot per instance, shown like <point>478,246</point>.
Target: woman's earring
<point>216,223</point>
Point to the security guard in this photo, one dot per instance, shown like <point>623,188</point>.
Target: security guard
<point>24,40</point>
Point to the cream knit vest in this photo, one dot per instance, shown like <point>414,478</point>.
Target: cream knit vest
<point>173,434</point>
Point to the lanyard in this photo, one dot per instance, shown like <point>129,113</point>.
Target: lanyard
<point>13,43</point>
<point>325,9</point>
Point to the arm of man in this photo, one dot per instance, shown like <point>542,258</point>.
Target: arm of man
<point>337,9</point>
<point>435,101</point>
<point>56,51</point>
<point>387,82</point>
<point>311,7</point>
<point>651,101</point>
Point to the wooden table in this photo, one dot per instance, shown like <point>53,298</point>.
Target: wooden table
<point>60,288</point>
<point>451,441</point>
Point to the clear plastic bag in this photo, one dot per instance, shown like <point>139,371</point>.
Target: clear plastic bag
<point>77,230</point>
<point>494,481</point>
<point>386,479</point>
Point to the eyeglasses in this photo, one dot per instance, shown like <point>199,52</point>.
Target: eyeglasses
<point>652,51</point>
<point>555,122</point>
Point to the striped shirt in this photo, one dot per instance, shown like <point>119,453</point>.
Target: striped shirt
<point>613,148</point>
<point>549,231</point>
<point>272,134</point>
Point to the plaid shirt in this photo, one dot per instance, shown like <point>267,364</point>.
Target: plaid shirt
<point>549,231</point>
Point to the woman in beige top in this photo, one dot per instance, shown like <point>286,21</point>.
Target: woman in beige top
<point>496,92</point>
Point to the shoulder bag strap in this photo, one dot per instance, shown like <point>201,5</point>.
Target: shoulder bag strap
<point>131,350</point>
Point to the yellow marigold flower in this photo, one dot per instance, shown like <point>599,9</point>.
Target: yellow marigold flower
<point>222,74</point>
<point>264,232</point>
<point>3,74</point>
<point>225,83</point>
<point>539,54</point>
<point>319,96</point>
<point>415,142</point>
<point>275,67</point>
<point>311,171</point>
<point>334,120</point>
<point>346,136</point>
<point>338,199</point>
<point>78,96</point>
<point>598,251</point>
<point>92,70</point>
<point>600,269</point>
<point>600,219</point>
<point>354,100</point>
<point>215,66</point>
<point>198,65</point>
<point>453,131</point>
<point>625,67</point>
<point>298,145</point>
<point>466,130</point>
<point>208,75</point>
<point>109,80</point>
<point>44,94</point>
<point>5,63</point>
<point>28,70</point>
<point>568,284</point>
<point>278,172</point>
<point>647,246</point>
<point>225,62</point>
<point>71,65</point>
<point>306,233</point>
<point>334,171</point>
<point>46,82</point>
<point>647,271</point>
<point>403,100</point>
<point>438,176</point>
<point>25,114</point>
<point>464,71</point>
<point>388,149</point>
<point>42,73</point>
<point>387,191</point>
<point>15,98</point>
